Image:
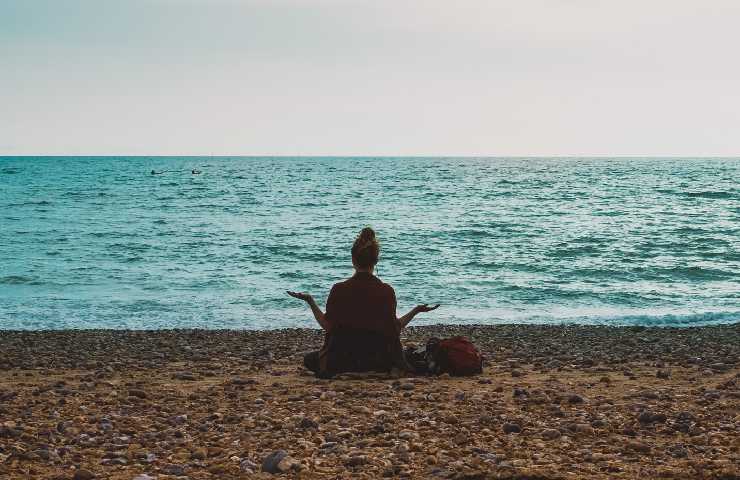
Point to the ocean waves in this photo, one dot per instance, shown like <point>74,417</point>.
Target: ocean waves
<point>18,280</point>
<point>684,319</point>
<point>103,243</point>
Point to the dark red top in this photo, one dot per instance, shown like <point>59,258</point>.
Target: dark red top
<point>363,332</point>
<point>362,302</point>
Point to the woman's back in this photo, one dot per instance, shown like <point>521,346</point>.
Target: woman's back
<point>362,302</point>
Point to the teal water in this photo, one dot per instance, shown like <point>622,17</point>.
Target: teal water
<point>102,243</point>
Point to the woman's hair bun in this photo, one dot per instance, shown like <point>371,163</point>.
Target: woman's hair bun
<point>367,234</point>
<point>366,249</point>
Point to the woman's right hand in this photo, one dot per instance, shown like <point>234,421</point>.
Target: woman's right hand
<point>426,308</point>
<point>306,297</point>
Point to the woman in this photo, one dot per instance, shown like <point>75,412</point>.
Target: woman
<point>362,330</point>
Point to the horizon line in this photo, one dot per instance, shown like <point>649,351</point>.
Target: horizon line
<point>372,156</point>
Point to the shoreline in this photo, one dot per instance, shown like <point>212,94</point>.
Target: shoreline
<point>559,401</point>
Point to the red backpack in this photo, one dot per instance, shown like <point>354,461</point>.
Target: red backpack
<point>456,356</point>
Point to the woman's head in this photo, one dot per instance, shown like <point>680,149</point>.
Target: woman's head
<point>366,249</point>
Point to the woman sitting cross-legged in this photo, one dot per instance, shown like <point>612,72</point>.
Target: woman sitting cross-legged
<point>362,330</point>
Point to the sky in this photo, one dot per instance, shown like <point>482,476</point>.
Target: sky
<point>369,77</point>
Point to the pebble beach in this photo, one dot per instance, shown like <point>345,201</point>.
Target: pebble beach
<point>553,402</point>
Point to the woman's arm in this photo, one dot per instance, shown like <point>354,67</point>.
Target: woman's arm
<point>406,319</point>
<point>317,313</point>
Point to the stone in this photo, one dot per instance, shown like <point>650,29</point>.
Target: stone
<point>664,374</point>
<point>247,466</point>
<point>307,423</point>
<point>551,434</point>
<point>143,476</point>
<point>243,381</point>
<point>520,392</point>
<point>199,454</point>
<point>583,428</point>
<point>511,428</point>
<point>407,435</point>
<point>274,461</point>
<point>685,417</point>
<point>135,392</point>
<point>214,451</point>
<point>407,386</point>
<point>575,398</point>
<point>599,423</point>
<point>83,474</point>
<point>638,447</point>
<point>647,417</point>
<point>356,461</point>
<point>461,438</point>
<point>679,452</point>
<point>287,464</point>
<point>180,419</point>
<point>217,470</point>
<point>174,469</point>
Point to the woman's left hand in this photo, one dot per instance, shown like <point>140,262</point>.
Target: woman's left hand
<point>306,297</point>
<point>426,308</point>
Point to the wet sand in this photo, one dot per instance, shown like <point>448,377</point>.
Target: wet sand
<point>553,402</point>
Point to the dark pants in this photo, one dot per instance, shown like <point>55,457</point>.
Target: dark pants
<point>353,350</point>
<point>311,361</point>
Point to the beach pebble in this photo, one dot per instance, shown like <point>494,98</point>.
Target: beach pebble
<point>134,392</point>
<point>247,466</point>
<point>719,366</point>
<point>243,381</point>
<point>180,419</point>
<point>639,447</point>
<point>199,454</point>
<point>648,417</point>
<point>217,470</point>
<point>173,469</point>
<point>511,428</point>
<point>685,417</point>
<point>356,461</point>
<point>520,392</point>
<point>551,434</point>
<point>279,462</point>
<point>83,474</point>
<point>461,438</point>
<point>678,451</point>
<point>307,423</point>
<point>408,435</point>
<point>143,476</point>
<point>584,428</point>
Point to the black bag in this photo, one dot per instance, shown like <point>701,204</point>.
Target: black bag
<point>417,359</point>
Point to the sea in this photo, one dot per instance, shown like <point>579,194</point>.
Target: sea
<point>102,242</point>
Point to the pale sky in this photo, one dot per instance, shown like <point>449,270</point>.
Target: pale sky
<point>375,77</point>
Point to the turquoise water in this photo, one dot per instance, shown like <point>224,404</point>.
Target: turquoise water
<point>102,243</point>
